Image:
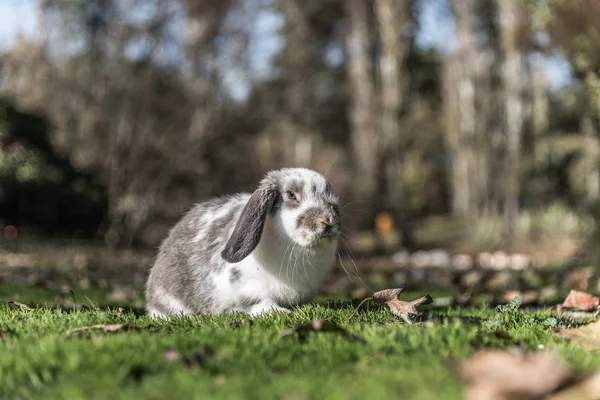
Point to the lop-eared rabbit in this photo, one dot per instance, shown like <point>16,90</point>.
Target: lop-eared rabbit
<point>253,253</point>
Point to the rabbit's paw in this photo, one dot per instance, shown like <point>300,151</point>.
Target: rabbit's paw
<point>267,309</point>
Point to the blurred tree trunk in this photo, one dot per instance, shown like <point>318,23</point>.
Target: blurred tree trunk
<point>539,89</point>
<point>296,61</point>
<point>573,26</point>
<point>484,168</point>
<point>535,117</point>
<point>592,162</point>
<point>298,85</point>
<point>460,72</point>
<point>590,131</point>
<point>535,44</point>
<point>391,18</point>
<point>450,74</point>
<point>512,72</point>
<point>535,109</point>
<point>365,138</point>
<point>204,19</point>
<point>146,104</point>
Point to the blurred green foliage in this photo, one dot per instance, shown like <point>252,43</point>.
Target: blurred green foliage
<point>39,188</point>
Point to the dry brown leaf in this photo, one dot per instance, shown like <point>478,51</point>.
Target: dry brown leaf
<point>388,294</point>
<point>495,375</point>
<point>586,335</point>
<point>580,300</point>
<point>403,309</point>
<point>389,298</point>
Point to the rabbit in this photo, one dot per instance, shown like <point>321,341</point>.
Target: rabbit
<point>252,253</point>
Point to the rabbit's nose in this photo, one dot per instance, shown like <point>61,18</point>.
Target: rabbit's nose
<point>326,222</point>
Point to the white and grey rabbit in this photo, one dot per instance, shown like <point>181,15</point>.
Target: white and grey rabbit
<point>252,253</point>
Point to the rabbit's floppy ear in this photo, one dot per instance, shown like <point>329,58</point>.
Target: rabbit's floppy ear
<point>249,227</point>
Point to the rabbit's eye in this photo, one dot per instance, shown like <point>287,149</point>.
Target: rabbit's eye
<point>291,195</point>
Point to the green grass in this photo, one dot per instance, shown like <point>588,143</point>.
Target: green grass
<point>254,359</point>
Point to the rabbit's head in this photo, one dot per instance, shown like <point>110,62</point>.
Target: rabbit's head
<point>299,203</point>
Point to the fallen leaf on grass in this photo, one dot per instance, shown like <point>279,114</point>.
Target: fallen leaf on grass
<point>318,325</point>
<point>495,375</point>
<point>389,298</point>
<point>92,304</point>
<point>404,309</point>
<point>581,301</point>
<point>586,335</point>
<point>110,328</point>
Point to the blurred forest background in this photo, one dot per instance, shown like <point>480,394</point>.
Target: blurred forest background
<point>117,115</point>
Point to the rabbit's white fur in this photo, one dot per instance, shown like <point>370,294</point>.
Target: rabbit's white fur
<point>278,269</point>
<point>278,250</point>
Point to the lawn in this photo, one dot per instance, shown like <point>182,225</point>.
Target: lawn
<point>372,357</point>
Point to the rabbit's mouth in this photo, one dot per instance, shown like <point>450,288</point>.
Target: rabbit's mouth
<point>317,238</point>
<point>331,233</point>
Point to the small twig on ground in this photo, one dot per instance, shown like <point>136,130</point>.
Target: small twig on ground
<point>357,307</point>
<point>106,328</point>
<point>92,304</point>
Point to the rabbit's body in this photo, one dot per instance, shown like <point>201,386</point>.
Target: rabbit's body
<point>191,274</point>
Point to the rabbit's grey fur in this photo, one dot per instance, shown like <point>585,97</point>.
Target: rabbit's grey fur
<point>249,252</point>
